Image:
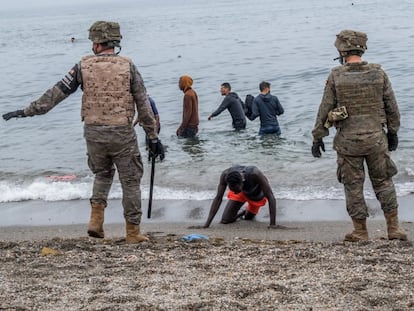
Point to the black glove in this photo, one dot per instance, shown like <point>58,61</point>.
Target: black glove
<point>156,149</point>
<point>392,141</point>
<point>317,147</point>
<point>14,114</point>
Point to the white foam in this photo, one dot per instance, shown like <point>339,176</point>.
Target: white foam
<point>405,188</point>
<point>409,171</point>
<point>65,191</point>
<point>47,190</point>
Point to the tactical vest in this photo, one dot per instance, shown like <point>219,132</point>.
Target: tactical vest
<point>359,87</point>
<point>107,98</point>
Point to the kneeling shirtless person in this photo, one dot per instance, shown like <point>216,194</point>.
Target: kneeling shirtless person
<point>246,184</point>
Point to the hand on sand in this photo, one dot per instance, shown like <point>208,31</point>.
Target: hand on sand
<point>276,227</point>
<point>196,227</point>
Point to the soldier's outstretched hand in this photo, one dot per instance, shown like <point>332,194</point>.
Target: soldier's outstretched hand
<point>14,114</point>
<point>196,227</point>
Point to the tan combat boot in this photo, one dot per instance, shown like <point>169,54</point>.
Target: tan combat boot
<point>133,234</point>
<point>360,232</point>
<point>395,232</point>
<point>95,227</point>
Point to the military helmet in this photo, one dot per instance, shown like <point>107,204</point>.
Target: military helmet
<point>102,32</point>
<point>351,40</point>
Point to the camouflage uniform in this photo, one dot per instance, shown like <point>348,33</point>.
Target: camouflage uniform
<point>366,92</point>
<point>108,108</point>
<point>112,89</point>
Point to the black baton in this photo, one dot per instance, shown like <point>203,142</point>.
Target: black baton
<point>151,187</point>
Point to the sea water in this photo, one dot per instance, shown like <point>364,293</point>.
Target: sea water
<point>287,43</point>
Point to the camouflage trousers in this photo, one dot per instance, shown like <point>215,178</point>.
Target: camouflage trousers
<point>103,157</point>
<point>351,173</point>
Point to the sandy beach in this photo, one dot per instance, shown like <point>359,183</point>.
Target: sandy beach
<point>303,265</point>
<point>47,261</point>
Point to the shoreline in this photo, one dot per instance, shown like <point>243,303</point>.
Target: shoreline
<point>314,231</point>
<point>317,220</point>
<point>39,213</point>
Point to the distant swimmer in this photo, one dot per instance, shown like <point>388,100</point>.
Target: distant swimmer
<point>72,39</point>
<point>246,184</point>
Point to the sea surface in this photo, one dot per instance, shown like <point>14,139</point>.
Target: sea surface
<point>288,43</point>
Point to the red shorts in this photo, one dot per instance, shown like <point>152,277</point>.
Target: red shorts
<point>252,207</point>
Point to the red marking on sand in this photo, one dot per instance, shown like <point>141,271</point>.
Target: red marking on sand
<point>61,178</point>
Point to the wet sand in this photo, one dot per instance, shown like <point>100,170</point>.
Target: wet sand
<point>316,231</point>
<point>40,213</point>
<point>317,220</point>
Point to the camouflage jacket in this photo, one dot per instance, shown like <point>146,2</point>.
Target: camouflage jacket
<point>366,92</point>
<point>73,79</point>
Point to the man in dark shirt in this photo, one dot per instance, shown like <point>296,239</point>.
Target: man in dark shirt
<point>157,122</point>
<point>268,107</point>
<point>233,104</point>
<point>246,184</point>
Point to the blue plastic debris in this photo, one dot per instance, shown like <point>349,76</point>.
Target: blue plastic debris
<point>194,237</point>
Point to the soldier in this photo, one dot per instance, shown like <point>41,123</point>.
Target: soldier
<point>112,86</point>
<point>359,101</point>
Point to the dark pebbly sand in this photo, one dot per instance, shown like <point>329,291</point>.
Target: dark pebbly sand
<point>241,266</point>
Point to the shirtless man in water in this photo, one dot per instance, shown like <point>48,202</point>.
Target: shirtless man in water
<point>246,184</point>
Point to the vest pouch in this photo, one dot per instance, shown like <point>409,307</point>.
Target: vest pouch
<point>335,115</point>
